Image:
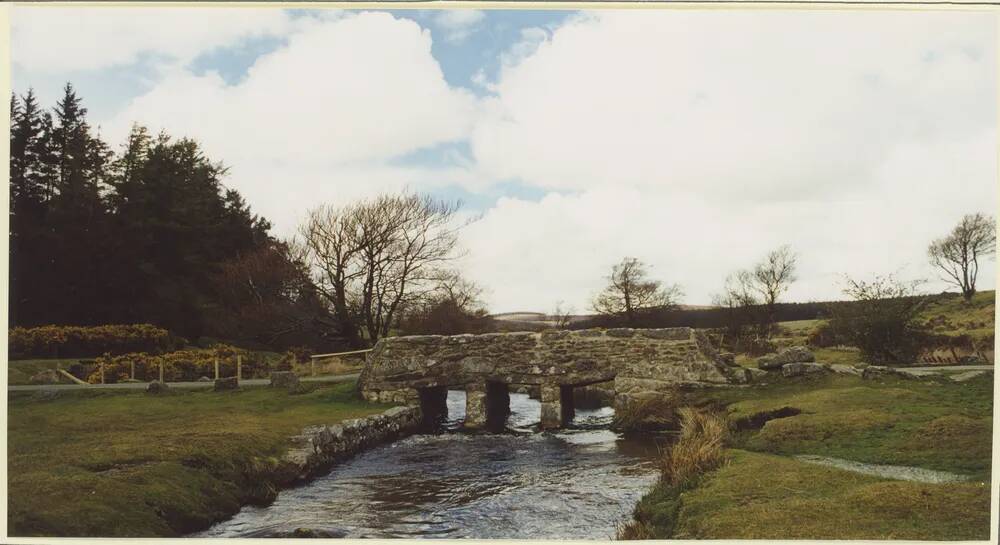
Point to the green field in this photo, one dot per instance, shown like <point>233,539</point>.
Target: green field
<point>123,463</point>
<point>762,492</point>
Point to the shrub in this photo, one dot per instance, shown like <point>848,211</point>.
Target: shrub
<point>882,321</point>
<point>180,366</point>
<point>53,341</point>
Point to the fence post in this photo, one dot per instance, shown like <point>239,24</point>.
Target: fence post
<point>239,367</point>
<point>216,368</point>
<point>132,363</point>
<point>161,372</point>
<point>312,365</point>
<point>102,371</point>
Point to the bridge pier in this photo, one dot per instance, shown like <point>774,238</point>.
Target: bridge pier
<point>434,404</point>
<point>487,405</point>
<point>557,406</point>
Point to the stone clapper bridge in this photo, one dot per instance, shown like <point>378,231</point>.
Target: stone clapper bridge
<point>642,364</point>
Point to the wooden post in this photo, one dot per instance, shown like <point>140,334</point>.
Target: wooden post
<point>216,368</point>
<point>132,364</point>
<point>312,365</point>
<point>239,367</point>
<point>102,372</point>
<point>161,372</point>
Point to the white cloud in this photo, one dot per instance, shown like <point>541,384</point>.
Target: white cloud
<point>459,24</point>
<point>697,141</point>
<point>62,39</point>
<point>319,118</point>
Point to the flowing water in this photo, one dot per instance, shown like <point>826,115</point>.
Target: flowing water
<point>576,483</point>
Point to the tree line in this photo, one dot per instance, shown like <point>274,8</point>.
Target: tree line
<point>144,233</point>
<point>149,233</point>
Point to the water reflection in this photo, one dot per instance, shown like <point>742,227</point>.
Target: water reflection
<point>576,483</point>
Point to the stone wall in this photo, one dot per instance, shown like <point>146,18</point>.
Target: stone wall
<point>317,448</point>
<point>641,362</point>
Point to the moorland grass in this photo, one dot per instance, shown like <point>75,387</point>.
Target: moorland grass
<point>123,463</point>
<point>931,423</point>
<point>760,491</point>
<point>763,496</point>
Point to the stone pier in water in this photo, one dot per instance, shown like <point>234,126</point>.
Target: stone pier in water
<point>641,363</point>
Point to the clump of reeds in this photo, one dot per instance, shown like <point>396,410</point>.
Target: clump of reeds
<point>698,450</point>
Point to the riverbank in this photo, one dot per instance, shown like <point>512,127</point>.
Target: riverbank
<point>763,491</point>
<point>122,463</point>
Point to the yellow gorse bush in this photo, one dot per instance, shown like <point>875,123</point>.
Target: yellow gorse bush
<point>183,365</point>
<point>51,341</point>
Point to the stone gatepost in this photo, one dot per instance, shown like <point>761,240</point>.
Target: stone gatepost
<point>475,405</point>
<point>553,416</point>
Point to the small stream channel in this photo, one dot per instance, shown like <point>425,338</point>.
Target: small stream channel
<point>576,483</point>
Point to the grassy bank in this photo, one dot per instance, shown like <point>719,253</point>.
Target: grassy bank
<point>117,463</point>
<point>761,492</point>
<point>762,496</point>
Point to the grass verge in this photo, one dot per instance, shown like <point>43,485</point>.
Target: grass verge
<point>122,463</point>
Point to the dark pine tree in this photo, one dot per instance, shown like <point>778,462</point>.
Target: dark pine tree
<point>77,221</point>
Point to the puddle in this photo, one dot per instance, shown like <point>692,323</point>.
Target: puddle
<point>902,473</point>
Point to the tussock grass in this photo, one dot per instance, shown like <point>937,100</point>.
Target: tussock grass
<point>698,450</point>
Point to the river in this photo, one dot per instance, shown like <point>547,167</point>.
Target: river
<point>576,483</point>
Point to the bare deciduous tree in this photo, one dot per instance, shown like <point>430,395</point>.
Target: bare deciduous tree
<point>957,254</point>
<point>369,257</point>
<point>742,305</point>
<point>630,293</point>
<point>773,276</point>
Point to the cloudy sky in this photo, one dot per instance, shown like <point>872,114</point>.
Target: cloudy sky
<point>693,140</point>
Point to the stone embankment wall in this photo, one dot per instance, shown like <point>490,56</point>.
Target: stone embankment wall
<point>641,362</point>
<point>317,448</point>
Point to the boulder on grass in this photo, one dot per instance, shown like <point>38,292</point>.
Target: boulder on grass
<point>300,388</point>
<point>47,376</point>
<point>227,383</point>
<point>796,369</point>
<point>204,379</point>
<point>756,374</point>
<point>157,387</point>
<point>875,371</point>
<point>284,379</point>
<point>795,354</point>
<point>842,369</point>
